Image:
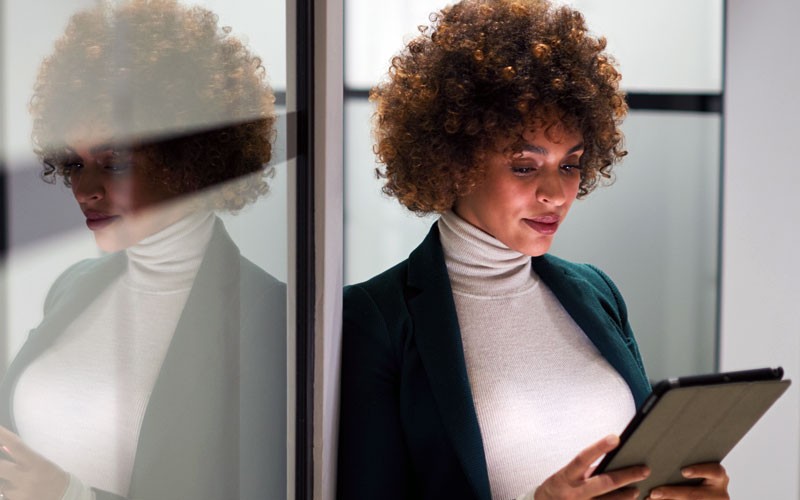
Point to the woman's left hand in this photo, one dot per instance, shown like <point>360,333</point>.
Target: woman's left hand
<point>26,475</point>
<point>713,487</point>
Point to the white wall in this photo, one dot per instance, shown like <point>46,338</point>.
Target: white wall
<point>760,278</point>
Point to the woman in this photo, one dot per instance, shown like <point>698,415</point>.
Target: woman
<point>482,367</point>
<point>158,370</point>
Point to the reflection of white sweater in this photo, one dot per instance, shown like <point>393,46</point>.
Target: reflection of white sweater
<point>81,403</point>
<point>542,391</point>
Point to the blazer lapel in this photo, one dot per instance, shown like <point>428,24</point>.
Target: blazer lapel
<point>438,340</point>
<point>69,297</point>
<point>588,309</point>
<point>190,427</point>
<point>75,294</point>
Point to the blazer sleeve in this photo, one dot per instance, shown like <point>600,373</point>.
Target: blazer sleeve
<point>373,459</point>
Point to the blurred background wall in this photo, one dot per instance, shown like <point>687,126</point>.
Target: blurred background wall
<point>760,324</point>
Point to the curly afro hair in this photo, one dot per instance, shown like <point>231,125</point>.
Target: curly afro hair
<point>483,72</point>
<point>164,79</point>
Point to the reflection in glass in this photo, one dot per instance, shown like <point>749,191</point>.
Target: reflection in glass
<point>158,370</point>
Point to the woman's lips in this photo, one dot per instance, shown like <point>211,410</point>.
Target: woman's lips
<point>546,224</point>
<point>97,220</point>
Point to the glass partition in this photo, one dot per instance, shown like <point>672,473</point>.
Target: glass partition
<point>655,231</point>
<point>641,35</point>
<point>146,155</point>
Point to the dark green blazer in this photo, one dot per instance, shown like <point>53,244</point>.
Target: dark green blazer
<point>408,427</point>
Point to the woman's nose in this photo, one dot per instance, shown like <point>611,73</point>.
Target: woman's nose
<point>87,185</point>
<point>550,189</point>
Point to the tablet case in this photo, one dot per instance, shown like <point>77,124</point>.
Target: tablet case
<point>689,425</point>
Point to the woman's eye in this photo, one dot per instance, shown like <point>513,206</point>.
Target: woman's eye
<point>69,167</point>
<point>571,168</point>
<point>118,167</point>
<point>523,168</point>
<point>118,162</point>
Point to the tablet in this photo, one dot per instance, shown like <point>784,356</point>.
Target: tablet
<point>692,420</point>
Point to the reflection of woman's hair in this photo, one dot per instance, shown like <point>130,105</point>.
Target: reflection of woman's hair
<point>487,70</point>
<point>165,79</point>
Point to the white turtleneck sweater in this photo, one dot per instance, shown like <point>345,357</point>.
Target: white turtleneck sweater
<point>81,403</point>
<point>542,391</point>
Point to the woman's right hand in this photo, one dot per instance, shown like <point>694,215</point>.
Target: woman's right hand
<point>575,481</point>
<point>25,474</point>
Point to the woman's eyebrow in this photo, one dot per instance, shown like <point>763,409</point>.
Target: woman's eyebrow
<point>532,148</point>
<point>93,150</point>
<point>106,146</point>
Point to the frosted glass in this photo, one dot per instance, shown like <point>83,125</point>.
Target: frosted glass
<point>378,230</point>
<point>661,45</point>
<point>654,231</point>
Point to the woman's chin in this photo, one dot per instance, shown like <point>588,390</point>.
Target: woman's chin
<point>130,229</point>
<point>110,243</point>
<point>117,236</point>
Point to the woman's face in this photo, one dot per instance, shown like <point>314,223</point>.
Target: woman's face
<point>524,198</point>
<point>122,203</point>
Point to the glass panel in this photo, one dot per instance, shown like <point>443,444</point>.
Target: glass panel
<point>379,232</point>
<point>642,35</point>
<point>654,231</point>
<point>154,284</point>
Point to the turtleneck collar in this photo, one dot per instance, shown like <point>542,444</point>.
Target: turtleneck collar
<point>168,260</point>
<point>479,264</point>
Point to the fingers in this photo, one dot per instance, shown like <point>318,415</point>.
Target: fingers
<point>609,486</point>
<point>574,481</point>
<point>576,469</point>
<point>610,482</point>
<point>712,473</point>
<point>9,471</point>
<point>13,447</point>
<point>580,469</point>
<point>589,472</point>
<point>8,438</point>
<point>687,493</point>
<point>622,494</point>
<point>713,487</point>
<point>27,475</point>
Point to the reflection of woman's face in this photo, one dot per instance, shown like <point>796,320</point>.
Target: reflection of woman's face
<point>523,199</point>
<point>121,202</point>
